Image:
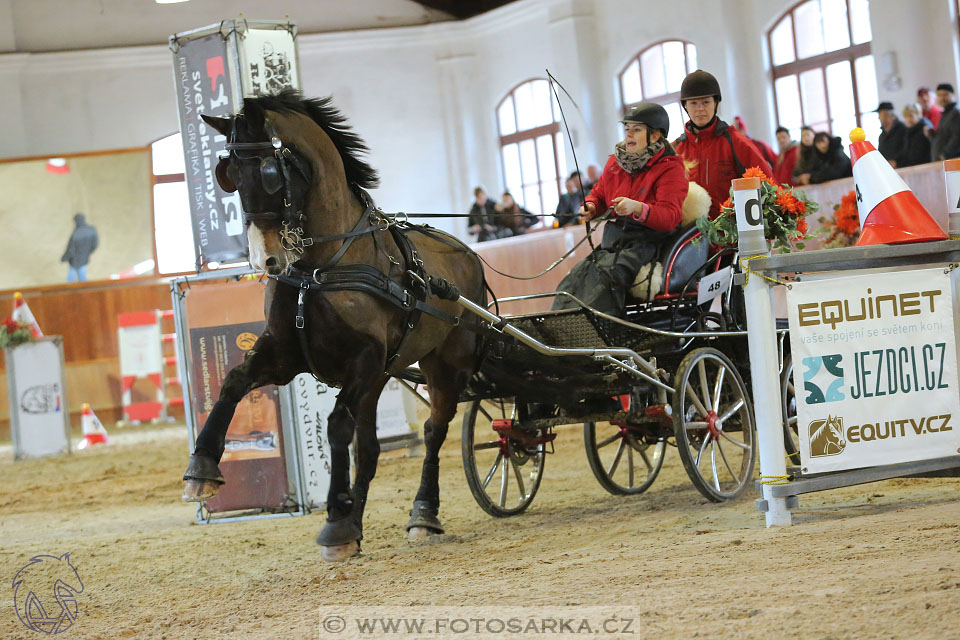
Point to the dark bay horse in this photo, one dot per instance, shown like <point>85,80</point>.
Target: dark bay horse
<point>298,168</point>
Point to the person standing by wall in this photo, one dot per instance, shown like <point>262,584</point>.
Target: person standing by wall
<point>916,148</point>
<point>570,202</point>
<point>787,159</point>
<point>482,220</point>
<point>893,135</point>
<point>801,170</point>
<point>83,241</point>
<point>714,152</point>
<point>946,139</point>
<point>829,161</point>
<point>928,103</point>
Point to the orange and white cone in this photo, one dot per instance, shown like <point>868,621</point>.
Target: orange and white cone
<point>93,431</point>
<point>889,212</point>
<point>22,315</point>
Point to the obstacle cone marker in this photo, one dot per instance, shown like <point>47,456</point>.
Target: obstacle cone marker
<point>93,430</point>
<point>22,315</point>
<point>889,211</point>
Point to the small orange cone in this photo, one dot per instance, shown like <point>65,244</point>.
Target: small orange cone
<point>93,431</point>
<point>889,212</point>
<point>22,315</point>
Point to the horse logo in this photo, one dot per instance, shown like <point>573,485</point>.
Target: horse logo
<point>823,379</point>
<point>45,594</point>
<point>41,398</point>
<point>826,437</point>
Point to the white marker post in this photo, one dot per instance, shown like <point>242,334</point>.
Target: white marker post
<point>951,174</point>
<point>762,341</point>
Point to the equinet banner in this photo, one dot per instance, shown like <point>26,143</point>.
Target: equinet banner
<point>875,369</point>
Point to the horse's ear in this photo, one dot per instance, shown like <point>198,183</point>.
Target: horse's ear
<point>254,115</point>
<point>220,124</point>
<point>222,179</point>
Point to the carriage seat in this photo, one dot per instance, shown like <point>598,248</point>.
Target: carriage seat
<point>679,258</point>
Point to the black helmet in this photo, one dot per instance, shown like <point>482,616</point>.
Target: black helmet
<point>699,84</point>
<point>650,114</point>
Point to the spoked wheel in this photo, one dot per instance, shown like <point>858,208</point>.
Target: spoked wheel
<point>788,395</point>
<point>503,463</point>
<point>713,424</point>
<point>624,460</point>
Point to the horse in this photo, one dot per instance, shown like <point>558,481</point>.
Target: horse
<point>349,299</point>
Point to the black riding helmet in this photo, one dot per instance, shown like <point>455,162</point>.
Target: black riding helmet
<point>699,84</point>
<point>650,114</point>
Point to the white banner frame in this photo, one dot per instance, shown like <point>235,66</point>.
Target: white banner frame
<point>20,381</point>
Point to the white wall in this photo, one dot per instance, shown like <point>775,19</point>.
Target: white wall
<point>424,97</point>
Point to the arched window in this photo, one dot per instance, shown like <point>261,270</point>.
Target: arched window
<point>655,75</point>
<point>823,69</point>
<point>531,146</point>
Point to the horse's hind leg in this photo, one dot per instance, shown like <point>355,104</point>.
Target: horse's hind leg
<point>445,383</point>
<point>262,365</point>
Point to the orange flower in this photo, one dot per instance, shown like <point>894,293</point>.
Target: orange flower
<point>756,172</point>
<point>788,203</point>
<point>802,225</point>
<point>727,204</point>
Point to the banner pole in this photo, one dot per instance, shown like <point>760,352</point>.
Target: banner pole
<point>762,342</point>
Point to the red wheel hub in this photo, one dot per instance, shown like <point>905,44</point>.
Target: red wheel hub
<point>712,427</point>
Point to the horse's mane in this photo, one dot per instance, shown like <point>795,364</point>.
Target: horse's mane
<point>334,124</point>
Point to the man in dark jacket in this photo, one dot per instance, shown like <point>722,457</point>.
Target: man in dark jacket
<point>570,202</point>
<point>946,139</point>
<point>829,160</point>
<point>893,135</point>
<point>916,148</point>
<point>482,221</point>
<point>83,241</point>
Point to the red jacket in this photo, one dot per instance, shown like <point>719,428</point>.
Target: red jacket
<point>661,185</point>
<point>715,169</point>
<point>786,162</point>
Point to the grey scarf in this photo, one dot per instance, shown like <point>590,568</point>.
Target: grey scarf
<point>633,162</point>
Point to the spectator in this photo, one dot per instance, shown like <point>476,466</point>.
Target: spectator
<point>514,219</point>
<point>765,150</point>
<point>482,222</point>
<point>787,159</point>
<point>916,148</point>
<point>801,171</point>
<point>946,139</point>
<point>893,134</point>
<point>570,202</point>
<point>83,241</point>
<point>829,160</point>
<point>717,153</point>
<point>593,175</point>
<point>931,110</point>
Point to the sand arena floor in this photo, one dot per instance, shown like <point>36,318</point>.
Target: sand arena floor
<point>878,561</point>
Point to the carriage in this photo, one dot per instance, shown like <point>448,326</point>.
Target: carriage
<point>675,371</point>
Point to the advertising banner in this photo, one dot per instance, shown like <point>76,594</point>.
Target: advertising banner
<point>205,86</point>
<point>39,416</point>
<point>875,369</point>
<point>269,61</point>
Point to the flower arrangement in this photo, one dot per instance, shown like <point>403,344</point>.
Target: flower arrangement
<point>843,229</point>
<point>12,333</point>
<point>784,216</point>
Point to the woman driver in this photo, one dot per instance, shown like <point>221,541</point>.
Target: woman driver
<point>645,183</point>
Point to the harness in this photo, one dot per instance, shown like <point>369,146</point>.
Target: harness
<point>275,171</point>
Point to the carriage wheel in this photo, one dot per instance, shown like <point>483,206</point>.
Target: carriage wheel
<point>791,438</point>
<point>621,458</point>
<point>502,472</point>
<point>713,424</point>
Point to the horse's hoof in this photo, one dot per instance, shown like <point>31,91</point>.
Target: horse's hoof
<point>340,552</point>
<point>423,516</point>
<point>336,533</point>
<point>419,533</point>
<point>199,490</point>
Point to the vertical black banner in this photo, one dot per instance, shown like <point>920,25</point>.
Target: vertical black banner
<point>204,86</point>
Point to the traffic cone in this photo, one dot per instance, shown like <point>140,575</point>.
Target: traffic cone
<point>22,315</point>
<point>93,431</point>
<point>889,212</point>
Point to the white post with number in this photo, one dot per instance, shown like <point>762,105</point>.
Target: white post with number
<point>951,174</point>
<point>762,341</point>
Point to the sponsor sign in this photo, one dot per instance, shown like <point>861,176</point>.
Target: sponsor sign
<point>875,369</point>
<point>39,417</point>
<point>269,62</point>
<point>205,86</point>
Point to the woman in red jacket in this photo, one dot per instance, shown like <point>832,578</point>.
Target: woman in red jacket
<point>714,152</point>
<point>643,185</point>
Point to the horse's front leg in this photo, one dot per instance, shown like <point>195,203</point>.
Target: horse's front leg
<point>262,365</point>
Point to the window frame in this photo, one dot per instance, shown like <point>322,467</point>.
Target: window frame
<point>663,99</point>
<point>821,61</point>
<point>519,136</point>
<point>156,179</point>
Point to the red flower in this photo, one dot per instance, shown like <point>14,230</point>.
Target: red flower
<point>727,204</point>
<point>756,172</point>
<point>10,325</point>
<point>802,225</point>
<point>788,203</point>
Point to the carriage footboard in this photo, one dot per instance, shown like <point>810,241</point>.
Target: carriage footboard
<point>625,359</point>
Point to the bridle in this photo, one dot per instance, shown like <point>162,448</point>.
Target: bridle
<point>276,158</point>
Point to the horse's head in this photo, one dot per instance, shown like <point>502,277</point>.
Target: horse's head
<point>294,162</point>
<point>836,431</point>
<point>273,178</point>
